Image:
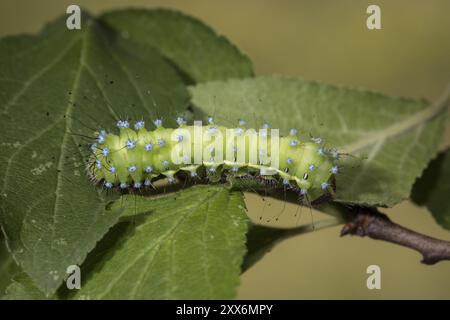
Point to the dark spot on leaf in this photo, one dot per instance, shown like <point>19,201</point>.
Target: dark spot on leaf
<point>111,82</point>
<point>108,206</point>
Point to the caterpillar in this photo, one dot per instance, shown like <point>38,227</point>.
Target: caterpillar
<point>135,157</point>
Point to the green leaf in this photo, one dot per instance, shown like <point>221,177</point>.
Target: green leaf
<point>390,140</point>
<point>432,189</point>
<point>8,268</point>
<point>199,53</point>
<point>55,87</point>
<point>23,288</point>
<point>187,245</point>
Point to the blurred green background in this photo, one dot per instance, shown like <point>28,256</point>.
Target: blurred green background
<point>327,41</point>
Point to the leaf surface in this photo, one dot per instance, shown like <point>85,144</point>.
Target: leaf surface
<point>187,245</point>
<point>23,288</point>
<point>8,268</point>
<point>432,189</point>
<point>58,88</point>
<point>198,52</point>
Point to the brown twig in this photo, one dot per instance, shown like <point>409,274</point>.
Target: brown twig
<point>373,224</point>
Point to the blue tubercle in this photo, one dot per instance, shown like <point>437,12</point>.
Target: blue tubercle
<point>123,185</point>
<point>123,124</point>
<point>105,152</point>
<point>148,147</point>
<point>139,125</point>
<point>181,121</point>
<point>158,123</point>
<point>131,144</point>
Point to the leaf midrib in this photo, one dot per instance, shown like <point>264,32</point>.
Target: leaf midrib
<point>410,123</point>
<point>68,122</point>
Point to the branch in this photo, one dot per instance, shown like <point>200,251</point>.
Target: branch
<point>373,224</point>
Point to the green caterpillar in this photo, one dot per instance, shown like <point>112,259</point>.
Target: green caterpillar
<point>135,157</point>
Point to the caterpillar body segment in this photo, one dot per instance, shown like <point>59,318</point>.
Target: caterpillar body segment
<point>135,157</point>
